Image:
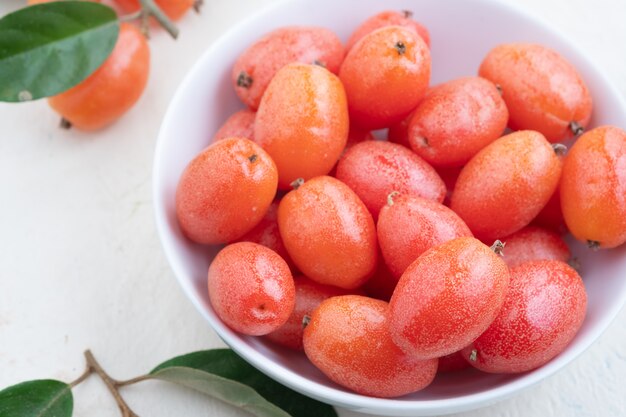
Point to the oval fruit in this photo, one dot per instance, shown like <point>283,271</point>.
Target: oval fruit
<point>447,298</point>
<point>385,75</point>
<point>373,169</point>
<point>408,226</point>
<point>542,90</point>
<point>543,311</point>
<point>457,119</point>
<point>328,233</point>
<point>112,89</point>
<point>225,191</point>
<point>505,185</point>
<point>258,64</point>
<point>348,339</point>
<point>303,133</point>
<point>251,288</point>
<point>593,188</point>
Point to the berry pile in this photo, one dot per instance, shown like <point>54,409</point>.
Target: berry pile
<point>439,248</point>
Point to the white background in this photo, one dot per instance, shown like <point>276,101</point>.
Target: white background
<point>81,265</point>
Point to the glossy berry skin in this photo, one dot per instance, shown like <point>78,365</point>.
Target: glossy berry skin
<point>388,18</point>
<point>374,169</point>
<point>258,64</point>
<point>593,187</point>
<point>174,9</point>
<point>409,226</point>
<point>385,75</point>
<point>534,243</point>
<point>112,89</point>
<point>225,191</point>
<point>266,233</point>
<point>505,185</point>
<point>240,125</point>
<point>309,295</point>
<point>453,362</point>
<point>251,288</point>
<point>543,311</point>
<point>304,133</point>
<point>328,233</point>
<point>447,298</point>
<point>542,90</point>
<point>348,340</point>
<point>457,119</point>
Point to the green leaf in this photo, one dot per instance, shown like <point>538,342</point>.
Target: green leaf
<point>41,398</point>
<point>48,48</point>
<point>233,380</point>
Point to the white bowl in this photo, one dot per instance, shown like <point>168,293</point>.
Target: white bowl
<point>462,31</point>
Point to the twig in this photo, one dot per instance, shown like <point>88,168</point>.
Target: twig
<point>110,383</point>
<point>162,18</point>
<point>132,381</point>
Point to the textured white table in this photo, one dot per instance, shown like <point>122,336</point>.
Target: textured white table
<point>81,265</point>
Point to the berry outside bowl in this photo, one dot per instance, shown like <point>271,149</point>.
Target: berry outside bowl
<point>468,28</point>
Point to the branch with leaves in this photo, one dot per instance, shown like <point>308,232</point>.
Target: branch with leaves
<point>219,373</point>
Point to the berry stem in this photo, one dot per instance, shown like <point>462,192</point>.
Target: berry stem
<point>593,245</point>
<point>391,196</point>
<point>297,183</point>
<point>498,247</point>
<point>576,128</point>
<point>65,124</point>
<point>559,149</point>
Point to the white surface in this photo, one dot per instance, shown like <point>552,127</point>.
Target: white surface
<point>81,265</point>
<point>202,103</point>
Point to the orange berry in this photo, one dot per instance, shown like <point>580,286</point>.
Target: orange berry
<point>239,125</point>
<point>373,169</point>
<point>505,185</point>
<point>348,339</point>
<point>112,89</point>
<point>543,310</point>
<point>457,119</point>
<point>408,226</point>
<point>447,298</point>
<point>385,75</point>
<point>258,65</point>
<point>251,288</point>
<point>388,18</point>
<point>328,233</point>
<point>225,191</point>
<point>302,122</point>
<point>542,90</point>
<point>593,187</point>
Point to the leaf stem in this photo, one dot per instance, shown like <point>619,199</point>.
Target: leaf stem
<point>110,383</point>
<point>132,380</point>
<point>154,10</point>
<point>85,375</point>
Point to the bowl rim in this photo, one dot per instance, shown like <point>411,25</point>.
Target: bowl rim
<point>314,389</point>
